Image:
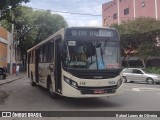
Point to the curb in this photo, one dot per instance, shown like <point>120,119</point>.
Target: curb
<point>13,80</point>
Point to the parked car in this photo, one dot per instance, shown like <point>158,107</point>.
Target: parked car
<point>139,75</point>
<point>3,73</point>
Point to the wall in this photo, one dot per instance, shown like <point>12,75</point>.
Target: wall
<point>148,10</point>
<point>3,55</point>
<point>3,33</point>
<point>3,47</point>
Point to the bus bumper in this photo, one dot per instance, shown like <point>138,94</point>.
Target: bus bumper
<point>89,93</point>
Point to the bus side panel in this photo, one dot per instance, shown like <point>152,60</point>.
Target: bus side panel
<point>32,71</point>
<point>43,74</point>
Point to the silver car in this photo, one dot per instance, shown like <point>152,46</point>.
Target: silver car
<point>139,75</point>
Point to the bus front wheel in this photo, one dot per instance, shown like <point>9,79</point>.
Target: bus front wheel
<point>51,91</point>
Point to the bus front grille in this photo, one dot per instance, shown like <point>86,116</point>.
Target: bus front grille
<point>97,90</point>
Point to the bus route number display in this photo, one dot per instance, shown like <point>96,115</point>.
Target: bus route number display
<point>92,33</point>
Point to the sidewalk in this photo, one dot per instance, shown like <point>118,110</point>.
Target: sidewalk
<point>13,77</point>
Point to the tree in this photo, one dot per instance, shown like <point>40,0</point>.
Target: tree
<point>145,50</point>
<point>140,35</point>
<point>31,27</point>
<point>6,6</point>
<point>46,24</point>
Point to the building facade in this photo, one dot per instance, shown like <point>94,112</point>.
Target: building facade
<point>117,11</point>
<point>4,41</point>
<point>9,58</point>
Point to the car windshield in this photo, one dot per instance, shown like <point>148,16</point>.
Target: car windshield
<point>93,55</point>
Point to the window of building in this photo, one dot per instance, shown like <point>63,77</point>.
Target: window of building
<point>126,11</point>
<point>143,3</point>
<point>115,16</point>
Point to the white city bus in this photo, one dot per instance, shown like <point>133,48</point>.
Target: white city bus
<point>78,62</point>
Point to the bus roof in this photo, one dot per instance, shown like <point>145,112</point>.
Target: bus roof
<point>61,32</point>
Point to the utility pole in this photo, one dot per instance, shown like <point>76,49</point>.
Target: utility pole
<point>118,12</point>
<point>11,48</point>
<point>156,10</point>
<point>134,6</point>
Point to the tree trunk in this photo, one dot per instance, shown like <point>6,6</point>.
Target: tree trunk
<point>128,62</point>
<point>143,62</point>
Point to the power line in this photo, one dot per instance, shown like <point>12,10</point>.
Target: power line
<point>80,13</point>
<point>68,12</point>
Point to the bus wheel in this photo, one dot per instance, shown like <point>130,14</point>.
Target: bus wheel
<point>51,92</point>
<point>32,82</point>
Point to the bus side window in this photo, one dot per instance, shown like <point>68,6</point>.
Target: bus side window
<point>33,56</point>
<point>46,53</point>
<point>29,57</point>
<point>51,53</point>
<point>40,55</point>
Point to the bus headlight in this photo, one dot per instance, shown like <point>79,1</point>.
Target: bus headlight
<point>119,82</point>
<point>71,82</point>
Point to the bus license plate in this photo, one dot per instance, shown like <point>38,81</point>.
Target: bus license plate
<point>98,91</point>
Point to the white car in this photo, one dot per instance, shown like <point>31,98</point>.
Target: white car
<point>139,75</point>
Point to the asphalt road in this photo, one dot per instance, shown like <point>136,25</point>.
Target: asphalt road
<point>21,96</point>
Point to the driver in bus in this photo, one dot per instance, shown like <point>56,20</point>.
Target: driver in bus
<point>80,54</point>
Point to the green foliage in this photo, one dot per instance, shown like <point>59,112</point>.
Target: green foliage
<point>140,34</point>
<point>6,25</point>
<point>6,6</point>
<point>31,27</point>
<point>37,26</point>
<point>46,24</point>
<point>144,51</point>
<point>153,70</point>
<point>138,26</point>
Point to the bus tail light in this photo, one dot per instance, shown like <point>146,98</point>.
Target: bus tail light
<point>71,82</point>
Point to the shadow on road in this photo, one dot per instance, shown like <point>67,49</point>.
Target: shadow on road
<point>83,103</point>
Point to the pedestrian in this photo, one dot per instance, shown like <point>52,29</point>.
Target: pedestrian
<point>17,70</point>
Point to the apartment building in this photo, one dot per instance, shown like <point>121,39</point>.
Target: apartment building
<point>117,11</point>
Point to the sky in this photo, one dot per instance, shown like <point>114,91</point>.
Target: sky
<point>93,7</point>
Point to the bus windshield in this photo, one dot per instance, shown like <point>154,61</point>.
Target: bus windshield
<point>93,55</point>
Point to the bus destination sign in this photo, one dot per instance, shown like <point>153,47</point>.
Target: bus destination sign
<point>90,33</point>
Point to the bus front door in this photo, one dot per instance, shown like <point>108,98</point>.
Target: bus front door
<point>58,82</point>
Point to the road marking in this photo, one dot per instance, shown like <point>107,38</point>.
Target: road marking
<point>143,89</point>
<point>149,89</point>
<point>136,89</point>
